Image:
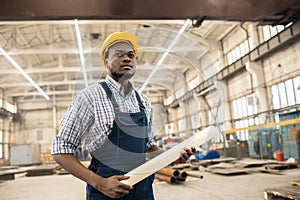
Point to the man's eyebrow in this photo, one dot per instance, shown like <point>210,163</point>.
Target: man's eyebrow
<point>119,50</point>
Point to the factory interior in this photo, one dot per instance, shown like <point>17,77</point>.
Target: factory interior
<point>233,65</point>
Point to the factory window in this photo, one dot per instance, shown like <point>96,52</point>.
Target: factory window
<point>179,93</point>
<point>270,31</point>
<point>239,51</point>
<point>11,108</point>
<point>193,83</point>
<point>212,70</point>
<point>170,100</point>
<point>170,128</point>
<point>286,93</point>
<point>243,110</point>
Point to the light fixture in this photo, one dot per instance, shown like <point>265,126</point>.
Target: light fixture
<point>164,56</point>
<point>20,69</point>
<point>78,36</point>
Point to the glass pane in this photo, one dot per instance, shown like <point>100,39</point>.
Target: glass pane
<point>244,106</point>
<point>233,56</point>
<point>273,30</point>
<point>249,108</point>
<point>266,32</point>
<point>290,92</point>
<point>245,124</point>
<point>240,108</point>
<point>255,103</point>
<point>280,28</point>
<point>251,122</point>
<point>237,53</point>
<point>229,60</point>
<point>282,95</point>
<point>277,119</point>
<point>275,97</point>
<point>256,121</point>
<point>237,125</point>
<point>246,46</point>
<point>242,48</point>
<point>235,109</point>
<point>251,43</point>
<point>297,91</point>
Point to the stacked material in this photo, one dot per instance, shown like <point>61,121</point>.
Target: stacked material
<point>171,175</point>
<point>287,192</point>
<point>43,170</point>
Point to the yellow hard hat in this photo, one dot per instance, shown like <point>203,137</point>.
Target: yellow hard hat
<point>118,36</point>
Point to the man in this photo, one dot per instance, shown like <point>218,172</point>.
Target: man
<point>114,123</point>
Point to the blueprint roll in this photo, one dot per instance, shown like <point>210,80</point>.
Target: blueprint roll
<point>169,156</point>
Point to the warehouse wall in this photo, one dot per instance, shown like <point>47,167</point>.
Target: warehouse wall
<point>40,122</point>
<point>278,66</point>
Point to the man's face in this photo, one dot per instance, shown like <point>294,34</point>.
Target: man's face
<point>121,61</point>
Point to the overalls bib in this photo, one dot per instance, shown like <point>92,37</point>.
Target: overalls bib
<point>124,150</point>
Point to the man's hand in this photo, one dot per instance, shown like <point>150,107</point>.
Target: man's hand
<point>185,155</point>
<point>112,187</point>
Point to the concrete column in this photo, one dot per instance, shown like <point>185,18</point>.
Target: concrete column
<point>54,114</point>
<point>203,112</point>
<point>254,34</point>
<point>224,114</point>
<point>7,129</point>
<point>172,112</point>
<point>258,79</point>
<point>185,114</point>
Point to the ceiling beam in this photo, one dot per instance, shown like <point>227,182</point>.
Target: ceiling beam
<point>234,10</point>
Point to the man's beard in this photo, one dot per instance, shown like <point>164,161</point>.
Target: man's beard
<point>125,76</point>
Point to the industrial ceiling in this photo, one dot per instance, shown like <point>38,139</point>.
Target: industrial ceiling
<point>41,38</point>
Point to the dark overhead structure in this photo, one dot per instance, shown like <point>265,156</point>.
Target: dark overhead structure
<point>272,12</point>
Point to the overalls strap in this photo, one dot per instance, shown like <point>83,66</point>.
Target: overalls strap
<point>113,100</point>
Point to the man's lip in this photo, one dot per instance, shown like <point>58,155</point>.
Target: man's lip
<point>126,66</point>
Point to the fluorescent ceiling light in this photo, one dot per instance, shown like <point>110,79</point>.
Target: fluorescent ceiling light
<point>81,51</point>
<point>164,56</point>
<point>20,69</point>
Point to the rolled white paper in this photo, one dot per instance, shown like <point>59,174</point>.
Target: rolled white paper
<point>169,156</point>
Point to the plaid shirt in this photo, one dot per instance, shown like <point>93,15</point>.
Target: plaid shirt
<point>89,119</point>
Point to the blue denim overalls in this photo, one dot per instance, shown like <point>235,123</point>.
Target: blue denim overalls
<point>124,150</point>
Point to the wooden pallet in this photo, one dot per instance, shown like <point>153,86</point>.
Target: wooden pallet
<point>287,192</point>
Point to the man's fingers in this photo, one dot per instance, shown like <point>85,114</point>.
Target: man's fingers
<point>193,149</point>
<point>184,156</point>
<point>122,192</point>
<point>122,185</point>
<point>120,177</point>
<point>188,152</point>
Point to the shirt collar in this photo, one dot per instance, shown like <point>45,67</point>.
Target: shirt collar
<point>115,85</point>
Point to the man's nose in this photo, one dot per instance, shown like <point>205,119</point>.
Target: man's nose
<point>126,58</point>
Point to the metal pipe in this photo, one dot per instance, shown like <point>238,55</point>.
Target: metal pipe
<point>182,174</point>
<point>168,179</point>
<point>195,175</point>
<point>169,172</point>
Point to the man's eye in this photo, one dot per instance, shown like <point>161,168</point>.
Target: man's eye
<point>119,54</point>
<point>131,55</point>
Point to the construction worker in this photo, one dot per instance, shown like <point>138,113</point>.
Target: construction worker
<point>114,123</point>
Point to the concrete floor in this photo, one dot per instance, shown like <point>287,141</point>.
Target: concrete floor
<point>212,187</point>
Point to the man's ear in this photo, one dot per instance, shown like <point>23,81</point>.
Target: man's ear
<point>106,62</point>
